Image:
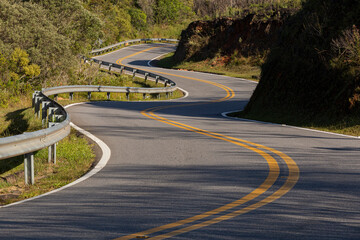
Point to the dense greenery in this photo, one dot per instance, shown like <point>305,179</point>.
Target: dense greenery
<point>41,39</point>
<point>232,46</point>
<point>313,73</point>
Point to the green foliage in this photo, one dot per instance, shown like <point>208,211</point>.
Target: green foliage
<point>39,41</point>
<point>171,11</point>
<point>74,22</point>
<point>16,75</point>
<point>138,18</point>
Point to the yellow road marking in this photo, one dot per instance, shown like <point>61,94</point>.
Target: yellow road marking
<point>269,181</point>
<point>229,92</point>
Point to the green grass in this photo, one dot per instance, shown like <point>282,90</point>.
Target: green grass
<point>241,70</point>
<point>18,118</point>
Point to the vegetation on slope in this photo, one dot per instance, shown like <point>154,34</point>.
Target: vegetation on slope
<point>312,75</point>
<point>40,40</point>
<point>233,46</point>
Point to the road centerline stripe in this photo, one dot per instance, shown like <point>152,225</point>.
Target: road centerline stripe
<point>273,174</point>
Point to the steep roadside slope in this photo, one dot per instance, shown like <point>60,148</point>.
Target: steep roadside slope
<point>205,39</point>
<point>313,72</point>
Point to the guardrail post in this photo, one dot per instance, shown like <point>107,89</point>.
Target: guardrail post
<point>127,96</point>
<point>37,106</point>
<point>52,111</point>
<point>121,69</point>
<point>52,148</point>
<point>108,96</point>
<point>146,76</point>
<point>71,96</point>
<point>55,97</point>
<point>167,94</point>
<point>134,72</point>
<point>52,154</point>
<point>34,95</point>
<point>144,96</point>
<point>110,65</point>
<point>29,168</point>
<point>89,95</point>
<point>166,82</point>
<point>100,62</point>
<point>45,106</point>
<point>157,79</point>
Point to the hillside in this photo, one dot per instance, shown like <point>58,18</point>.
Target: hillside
<point>40,40</point>
<point>224,36</point>
<point>312,74</point>
<point>236,45</point>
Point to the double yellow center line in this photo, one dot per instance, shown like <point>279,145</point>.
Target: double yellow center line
<point>270,180</point>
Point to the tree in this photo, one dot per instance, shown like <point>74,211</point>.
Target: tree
<point>171,11</point>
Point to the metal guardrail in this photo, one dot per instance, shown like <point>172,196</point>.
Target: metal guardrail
<point>26,144</point>
<point>125,43</point>
<point>57,119</point>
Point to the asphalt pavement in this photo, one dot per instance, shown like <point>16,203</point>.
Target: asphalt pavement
<point>180,170</point>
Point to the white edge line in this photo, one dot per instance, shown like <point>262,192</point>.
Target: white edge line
<point>225,115</point>
<point>149,62</point>
<point>106,153</point>
<point>181,89</point>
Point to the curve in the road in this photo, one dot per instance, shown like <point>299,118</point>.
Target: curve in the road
<point>274,170</point>
<point>181,168</point>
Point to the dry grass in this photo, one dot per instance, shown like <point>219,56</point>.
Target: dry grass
<point>216,65</point>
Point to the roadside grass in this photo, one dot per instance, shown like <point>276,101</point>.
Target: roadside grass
<point>75,157</point>
<point>104,78</point>
<point>215,65</point>
<point>348,125</point>
<point>18,118</point>
<point>63,99</point>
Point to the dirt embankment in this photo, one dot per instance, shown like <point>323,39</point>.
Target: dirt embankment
<point>247,36</point>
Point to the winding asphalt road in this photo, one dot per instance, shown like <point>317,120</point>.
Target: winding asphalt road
<point>180,170</point>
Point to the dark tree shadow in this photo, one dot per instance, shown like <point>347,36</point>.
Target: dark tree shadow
<point>18,124</point>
